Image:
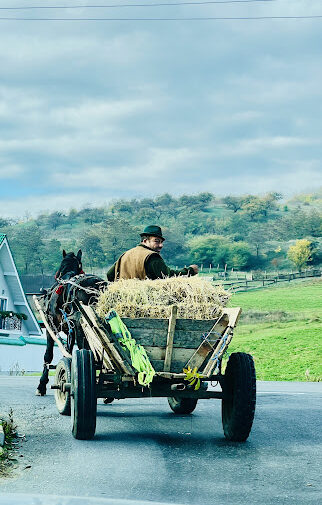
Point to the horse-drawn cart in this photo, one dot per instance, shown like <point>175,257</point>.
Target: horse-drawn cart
<point>186,355</point>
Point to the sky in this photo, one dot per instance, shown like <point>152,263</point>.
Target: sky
<point>96,110</point>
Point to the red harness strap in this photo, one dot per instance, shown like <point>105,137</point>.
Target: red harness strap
<point>59,290</point>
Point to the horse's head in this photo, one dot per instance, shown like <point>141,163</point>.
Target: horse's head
<point>70,266</point>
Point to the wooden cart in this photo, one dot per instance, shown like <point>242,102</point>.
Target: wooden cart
<point>104,370</point>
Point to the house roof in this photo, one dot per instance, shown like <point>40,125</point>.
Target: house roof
<point>12,280</point>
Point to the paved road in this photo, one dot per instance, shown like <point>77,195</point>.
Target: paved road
<point>142,451</point>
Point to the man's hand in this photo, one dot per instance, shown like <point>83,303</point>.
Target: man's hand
<point>195,268</point>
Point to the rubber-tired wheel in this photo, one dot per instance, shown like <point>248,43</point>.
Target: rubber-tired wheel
<point>83,395</point>
<point>182,405</point>
<point>63,374</point>
<point>238,404</point>
<point>185,405</point>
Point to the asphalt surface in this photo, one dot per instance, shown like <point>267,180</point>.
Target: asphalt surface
<point>143,452</point>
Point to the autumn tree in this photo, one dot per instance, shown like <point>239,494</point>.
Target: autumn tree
<point>300,253</point>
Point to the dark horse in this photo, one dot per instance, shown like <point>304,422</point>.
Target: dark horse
<point>72,284</point>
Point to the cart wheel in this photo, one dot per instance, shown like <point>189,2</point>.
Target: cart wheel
<point>83,395</point>
<point>108,400</point>
<point>182,405</point>
<point>63,374</point>
<point>238,404</point>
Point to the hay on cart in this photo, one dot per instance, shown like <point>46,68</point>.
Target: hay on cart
<point>195,297</point>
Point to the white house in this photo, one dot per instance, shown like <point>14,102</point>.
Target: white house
<point>21,339</point>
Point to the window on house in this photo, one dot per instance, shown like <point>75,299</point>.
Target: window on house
<point>3,307</point>
<point>3,304</point>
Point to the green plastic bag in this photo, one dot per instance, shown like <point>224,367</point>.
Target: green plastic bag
<point>139,358</point>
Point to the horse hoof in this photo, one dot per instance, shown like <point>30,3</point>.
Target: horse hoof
<point>106,401</point>
<point>39,393</point>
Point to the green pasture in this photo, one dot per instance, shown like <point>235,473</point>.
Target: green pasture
<point>281,328</point>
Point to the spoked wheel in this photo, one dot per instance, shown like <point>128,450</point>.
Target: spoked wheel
<point>83,395</point>
<point>238,404</point>
<point>182,405</point>
<point>63,375</point>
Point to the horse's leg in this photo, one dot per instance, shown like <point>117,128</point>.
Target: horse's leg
<point>44,379</point>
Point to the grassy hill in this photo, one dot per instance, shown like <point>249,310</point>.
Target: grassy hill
<point>281,328</point>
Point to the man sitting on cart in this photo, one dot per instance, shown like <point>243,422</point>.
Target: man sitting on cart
<point>144,260</point>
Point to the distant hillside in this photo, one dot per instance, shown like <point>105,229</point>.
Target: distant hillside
<point>307,200</point>
<point>244,232</point>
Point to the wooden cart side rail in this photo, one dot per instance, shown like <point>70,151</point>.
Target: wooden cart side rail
<point>233,314</point>
<point>48,328</point>
<point>102,336</point>
<point>170,336</point>
<point>218,352</point>
<point>210,354</point>
<point>96,346</point>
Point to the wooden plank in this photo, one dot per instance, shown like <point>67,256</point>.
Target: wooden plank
<point>233,315</point>
<point>158,353</point>
<point>201,325</point>
<point>93,336</point>
<point>218,352</point>
<point>50,331</point>
<point>118,359</point>
<point>206,347</point>
<point>176,366</point>
<point>96,346</point>
<point>114,354</point>
<point>169,347</point>
<point>199,356</point>
<point>182,339</point>
<point>146,323</point>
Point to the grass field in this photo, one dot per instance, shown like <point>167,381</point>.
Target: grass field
<point>281,328</point>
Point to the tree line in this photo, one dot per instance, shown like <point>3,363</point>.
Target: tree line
<point>240,232</point>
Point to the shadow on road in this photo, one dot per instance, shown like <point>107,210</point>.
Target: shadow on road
<point>178,440</point>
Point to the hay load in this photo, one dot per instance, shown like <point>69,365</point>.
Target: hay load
<point>195,298</point>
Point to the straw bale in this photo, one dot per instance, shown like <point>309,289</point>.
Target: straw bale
<point>195,298</point>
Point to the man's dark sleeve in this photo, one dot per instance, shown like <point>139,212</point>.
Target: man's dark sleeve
<point>156,268</point>
<point>111,274</point>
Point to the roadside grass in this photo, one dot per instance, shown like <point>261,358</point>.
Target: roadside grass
<point>38,374</point>
<point>281,328</point>
<point>6,453</point>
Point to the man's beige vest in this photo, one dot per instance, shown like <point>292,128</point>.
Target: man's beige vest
<point>131,265</point>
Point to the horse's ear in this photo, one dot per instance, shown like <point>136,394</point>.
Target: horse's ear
<point>79,255</point>
<point>64,253</point>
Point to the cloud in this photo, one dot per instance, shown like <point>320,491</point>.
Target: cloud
<point>258,145</point>
<point>34,205</point>
<point>158,164</point>
<point>91,111</point>
<point>9,171</point>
